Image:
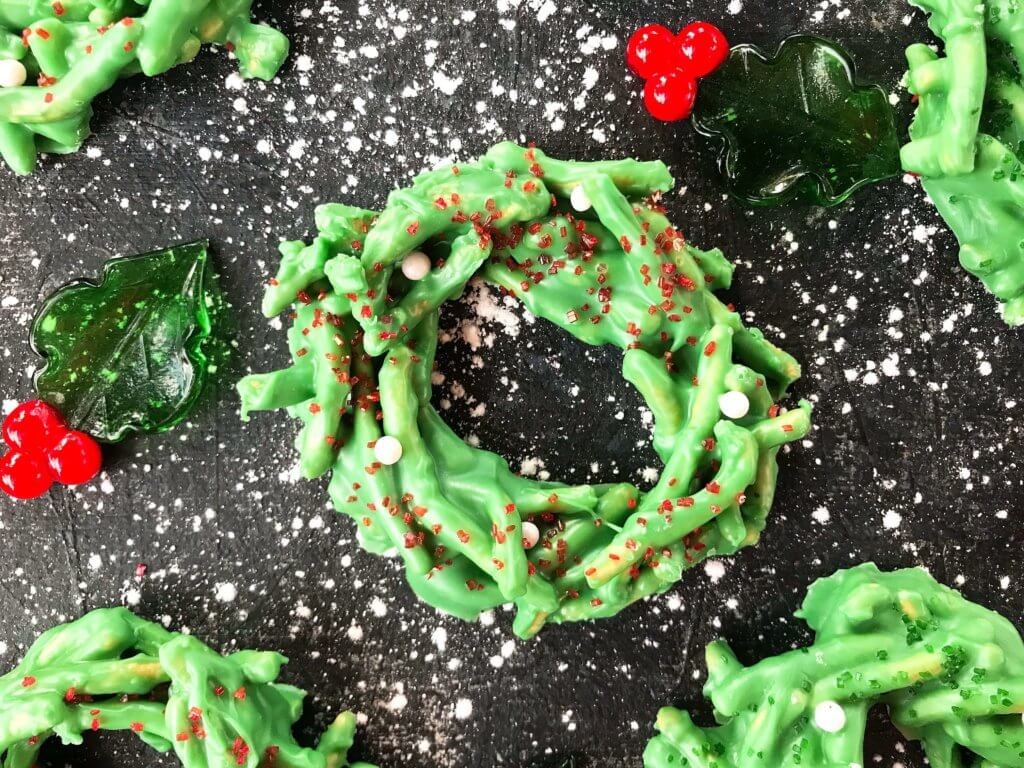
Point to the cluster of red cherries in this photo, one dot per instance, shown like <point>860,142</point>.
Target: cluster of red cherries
<point>671,64</point>
<point>43,450</point>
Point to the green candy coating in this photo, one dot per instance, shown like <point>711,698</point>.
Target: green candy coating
<point>950,672</point>
<point>76,49</point>
<point>111,670</point>
<point>363,344</point>
<point>967,133</point>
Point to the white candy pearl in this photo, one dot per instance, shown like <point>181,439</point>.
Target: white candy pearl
<point>734,405</point>
<point>416,265</point>
<point>387,450</point>
<point>12,73</point>
<point>579,199</point>
<point>829,717</point>
<point>531,535</point>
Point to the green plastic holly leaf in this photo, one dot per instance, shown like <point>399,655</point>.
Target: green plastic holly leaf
<point>128,354</point>
<point>797,126</point>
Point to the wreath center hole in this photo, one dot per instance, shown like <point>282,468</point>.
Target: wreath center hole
<point>553,407</point>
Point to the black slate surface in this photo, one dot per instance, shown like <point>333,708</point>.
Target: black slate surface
<point>915,458</point>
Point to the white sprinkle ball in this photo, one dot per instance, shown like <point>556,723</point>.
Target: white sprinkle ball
<point>531,535</point>
<point>416,265</point>
<point>829,717</point>
<point>387,450</point>
<point>734,405</point>
<point>12,73</point>
<point>578,198</point>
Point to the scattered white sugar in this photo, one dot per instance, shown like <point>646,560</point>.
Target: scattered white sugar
<point>225,592</point>
<point>463,709</point>
<point>892,519</point>
<point>546,10</point>
<point>821,515</point>
<point>890,366</point>
<point>398,701</point>
<point>715,570</point>
<point>378,607</point>
<point>3,647</point>
<point>445,84</point>
<point>735,6</point>
<point>95,562</point>
<point>530,466</point>
<point>303,63</point>
<point>205,154</point>
<point>355,633</point>
<point>985,368</point>
<point>1004,582</point>
<point>439,637</point>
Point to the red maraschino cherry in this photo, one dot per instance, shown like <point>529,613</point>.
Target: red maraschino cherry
<point>703,48</point>
<point>670,95</point>
<point>33,426</point>
<point>43,449</point>
<point>650,49</point>
<point>24,475</point>
<point>75,459</point>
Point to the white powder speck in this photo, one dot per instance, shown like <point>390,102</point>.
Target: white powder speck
<point>735,6</point>
<point>225,592</point>
<point>378,607</point>
<point>463,709</point>
<point>439,637</point>
<point>545,11</point>
<point>715,569</point>
<point>892,519</point>
<point>821,515</point>
<point>443,83</point>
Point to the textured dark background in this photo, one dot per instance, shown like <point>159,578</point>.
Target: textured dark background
<point>914,459</point>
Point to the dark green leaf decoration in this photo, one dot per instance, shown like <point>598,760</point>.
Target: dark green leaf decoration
<point>797,126</point>
<point>128,354</point>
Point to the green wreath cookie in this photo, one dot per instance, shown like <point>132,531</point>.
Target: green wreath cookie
<point>73,50</point>
<point>950,672</point>
<point>112,671</point>
<point>967,134</point>
<point>474,535</point>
